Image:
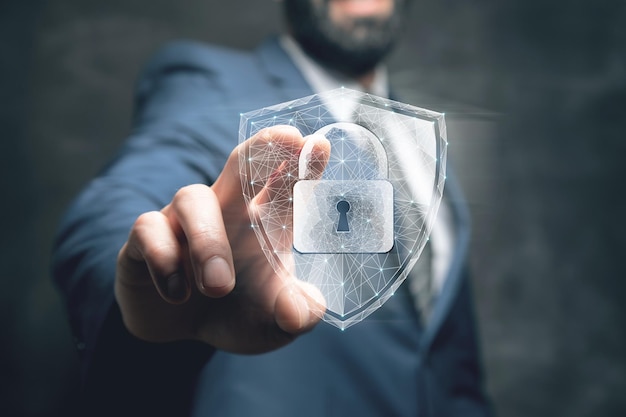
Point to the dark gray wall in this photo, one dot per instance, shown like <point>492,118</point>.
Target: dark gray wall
<point>540,85</point>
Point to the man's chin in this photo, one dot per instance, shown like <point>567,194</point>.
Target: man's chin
<point>353,46</point>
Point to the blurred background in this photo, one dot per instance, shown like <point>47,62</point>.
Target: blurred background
<point>535,94</point>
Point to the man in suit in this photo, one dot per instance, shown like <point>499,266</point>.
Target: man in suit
<point>162,324</point>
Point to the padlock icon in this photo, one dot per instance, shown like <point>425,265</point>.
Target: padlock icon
<point>351,208</point>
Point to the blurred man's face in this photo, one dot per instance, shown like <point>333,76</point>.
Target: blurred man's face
<point>351,36</point>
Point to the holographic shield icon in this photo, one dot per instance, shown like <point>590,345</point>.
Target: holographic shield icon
<point>356,228</point>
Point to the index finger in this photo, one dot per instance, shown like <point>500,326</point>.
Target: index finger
<point>195,215</point>
<point>252,163</point>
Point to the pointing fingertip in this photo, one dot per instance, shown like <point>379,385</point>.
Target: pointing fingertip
<point>292,311</point>
<point>302,307</point>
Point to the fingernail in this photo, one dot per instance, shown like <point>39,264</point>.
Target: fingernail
<point>176,287</point>
<point>217,274</point>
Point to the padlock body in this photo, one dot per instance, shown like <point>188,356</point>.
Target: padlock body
<point>316,216</point>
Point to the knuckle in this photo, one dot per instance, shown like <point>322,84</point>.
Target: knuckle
<point>140,232</point>
<point>278,132</point>
<point>192,198</point>
<point>148,240</point>
<point>147,219</point>
<point>265,134</point>
<point>187,193</point>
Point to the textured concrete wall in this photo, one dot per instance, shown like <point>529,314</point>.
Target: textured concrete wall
<point>536,95</point>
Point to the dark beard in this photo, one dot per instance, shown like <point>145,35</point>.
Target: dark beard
<point>353,50</point>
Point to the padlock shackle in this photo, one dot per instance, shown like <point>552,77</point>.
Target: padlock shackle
<point>305,158</point>
<point>378,150</point>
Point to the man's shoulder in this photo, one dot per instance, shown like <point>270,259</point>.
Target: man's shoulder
<point>196,55</point>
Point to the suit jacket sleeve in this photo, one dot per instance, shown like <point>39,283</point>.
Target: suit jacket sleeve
<point>173,143</point>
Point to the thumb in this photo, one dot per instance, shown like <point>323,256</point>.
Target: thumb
<point>299,307</point>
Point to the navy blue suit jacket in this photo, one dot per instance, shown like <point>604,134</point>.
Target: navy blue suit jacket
<point>188,102</point>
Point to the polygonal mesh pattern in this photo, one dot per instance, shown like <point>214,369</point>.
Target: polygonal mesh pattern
<point>394,142</point>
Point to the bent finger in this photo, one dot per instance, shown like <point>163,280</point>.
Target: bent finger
<point>196,212</point>
<point>153,242</point>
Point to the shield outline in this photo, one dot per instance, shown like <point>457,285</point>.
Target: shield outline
<point>311,113</point>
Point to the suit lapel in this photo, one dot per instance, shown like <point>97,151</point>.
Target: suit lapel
<point>281,71</point>
<point>461,226</point>
<point>461,220</point>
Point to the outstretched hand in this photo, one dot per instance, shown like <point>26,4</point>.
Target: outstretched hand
<point>195,269</point>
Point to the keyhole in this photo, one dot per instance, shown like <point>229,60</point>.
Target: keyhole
<point>343,207</point>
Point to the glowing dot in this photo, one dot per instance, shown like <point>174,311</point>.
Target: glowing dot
<point>284,226</point>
